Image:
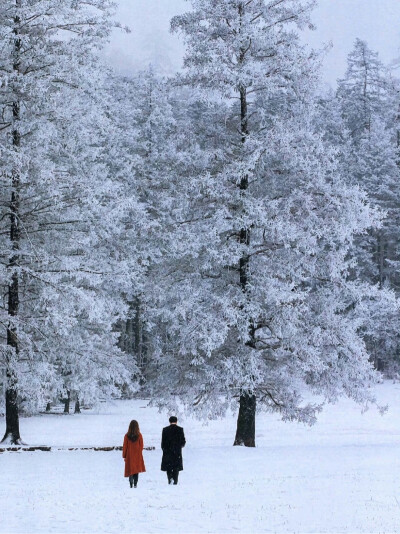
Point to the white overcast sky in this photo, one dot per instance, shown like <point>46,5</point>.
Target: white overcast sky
<point>337,21</point>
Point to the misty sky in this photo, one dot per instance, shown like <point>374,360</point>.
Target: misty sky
<point>337,21</point>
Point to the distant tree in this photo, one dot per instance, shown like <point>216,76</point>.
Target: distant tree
<point>367,99</point>
<point>143,162</point>
<point>366,92</point>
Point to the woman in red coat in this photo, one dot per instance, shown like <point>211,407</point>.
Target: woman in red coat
<point>132,453</point>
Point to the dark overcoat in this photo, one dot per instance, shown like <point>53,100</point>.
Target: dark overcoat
<point>173,439</point>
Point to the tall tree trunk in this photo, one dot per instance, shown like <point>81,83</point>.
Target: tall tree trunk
<point>67,402</point>
<point>12,433</point>
<point>246,424</point>
<point>381,259</point>
<point>140,342</point>
<point>244,185</point>
<point>77,406</point>
<point>129,336</point>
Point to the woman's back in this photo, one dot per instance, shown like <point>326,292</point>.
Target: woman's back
<point>132,453</point>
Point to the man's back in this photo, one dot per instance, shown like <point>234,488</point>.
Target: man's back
<point>172,441</point>
<point>173,438</point>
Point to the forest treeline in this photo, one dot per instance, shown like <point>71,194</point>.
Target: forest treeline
<point>224,238</point>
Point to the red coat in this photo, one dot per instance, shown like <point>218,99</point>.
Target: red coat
<point>132,452</point>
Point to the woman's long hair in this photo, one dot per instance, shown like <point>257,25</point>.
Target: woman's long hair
<point>133,431</point>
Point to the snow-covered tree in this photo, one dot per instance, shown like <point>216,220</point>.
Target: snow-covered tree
<point>60,210</point>
<point>367,99</point>
<point>366,92</point>
<point>143,162</point>
<point>255,289</point>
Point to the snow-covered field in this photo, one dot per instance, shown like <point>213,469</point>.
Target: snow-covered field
<point>343,475</point>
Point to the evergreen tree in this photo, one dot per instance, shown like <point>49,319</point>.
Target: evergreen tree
<point>255,288</point>
<point>367,99</point>
<point>143,163</point>
<point>59,208</point>
<point>366,92</point>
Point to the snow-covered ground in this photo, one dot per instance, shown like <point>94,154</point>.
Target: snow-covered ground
<point>342,475</point>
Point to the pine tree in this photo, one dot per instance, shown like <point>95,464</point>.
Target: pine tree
<point>59,218</point>
<point>145,155</point>
<point>366,92</point>
<point>259,305</point>
<point>367,99</point>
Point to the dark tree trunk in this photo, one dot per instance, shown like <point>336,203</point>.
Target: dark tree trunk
<point>381,258</point>
<point>77,406</point>
<point>67,402</point>
<point>12,415</point>
<point>129,337</point>
<point>140,341</point>
<point>244,185</point>
<point>48,407</point>
<point>246,423</point>
<point>245,430</point>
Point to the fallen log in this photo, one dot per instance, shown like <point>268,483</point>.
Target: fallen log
<point>27,449</point>
<point>52,449</point>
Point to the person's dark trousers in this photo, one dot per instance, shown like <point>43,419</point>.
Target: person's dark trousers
<point>133,479</point>
<point>173,474</point>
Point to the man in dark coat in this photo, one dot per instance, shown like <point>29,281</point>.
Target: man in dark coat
<point>173,439</point>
